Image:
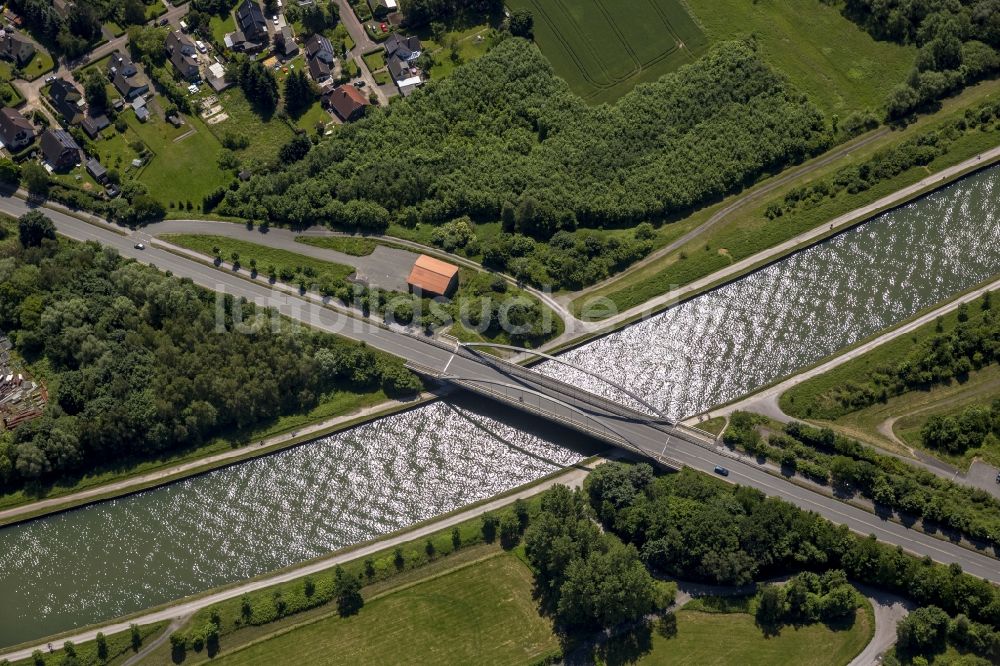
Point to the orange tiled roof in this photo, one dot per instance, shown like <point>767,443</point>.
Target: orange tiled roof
<point>431,275</point>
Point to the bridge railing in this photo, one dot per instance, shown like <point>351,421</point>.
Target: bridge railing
<point>583,395</point>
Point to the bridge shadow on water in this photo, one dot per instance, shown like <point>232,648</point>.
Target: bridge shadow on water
<point>480,413</point>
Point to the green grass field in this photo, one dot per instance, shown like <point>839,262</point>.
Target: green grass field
<point>356,246</point>
<point>603,48</point>
<point>839,65</point>
<point>483,614</point>
<point>266,135</point>
<point>722,639</point>
<point>265,256</point>
<point>185,166</point>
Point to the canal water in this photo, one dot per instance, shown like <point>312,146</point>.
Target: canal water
<point>120,556</point>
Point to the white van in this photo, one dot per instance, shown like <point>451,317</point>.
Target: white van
<point>200,45</point>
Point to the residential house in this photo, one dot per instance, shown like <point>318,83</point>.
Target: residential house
<point>93,124</point>
<point>404,48</point>
<point>139,106</point>
<point>319,70</point>
<point>286,42</point>
<point>183,55</point>
<point>319,55</point>
<point>251,22</point>
<point>320,47</point>
<point>346,101</point>
<point>16,131</point>
<point>97,171</point>
<point>67,100</point>
<point>15,48</point>
<point>432,277</point>
<point>382,8</point>
<point>125,76</point>
<point>59,149</point>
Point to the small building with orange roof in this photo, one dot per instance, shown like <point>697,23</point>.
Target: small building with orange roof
<point>432,277</point>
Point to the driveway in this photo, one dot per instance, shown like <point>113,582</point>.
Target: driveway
<point>385,268</point>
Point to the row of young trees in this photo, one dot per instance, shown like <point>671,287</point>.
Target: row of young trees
<point>959,43</point>
<point>889,162</point>
<point>691,526</point>
<point>140,364</point>
<point>827,458</point>
<point>503,138</point>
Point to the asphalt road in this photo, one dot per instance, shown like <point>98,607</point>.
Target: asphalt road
<point>649,438</point>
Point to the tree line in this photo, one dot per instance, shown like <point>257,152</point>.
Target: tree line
<point>74,33</point>
<point>140,364</point>
<point>828,458</point>
<point>423,12</point>
<point>888,163</point>
<point>503,139</point>
<point>958,42</point>
<point>694,527</point>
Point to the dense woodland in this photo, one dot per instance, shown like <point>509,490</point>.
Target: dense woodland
<point>139,364</point>
<point>81,27</point>
<point>504,140</point>
<point>959,42</point>
<point>888,482</point>
<point>691,526</point>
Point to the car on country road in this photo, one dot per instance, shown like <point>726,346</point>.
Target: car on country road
<point>139,246</point>
<point>721,471</point>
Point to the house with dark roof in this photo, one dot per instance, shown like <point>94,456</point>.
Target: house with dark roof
<point>285,41</point>
<point>93,124</point>
<point>320,47</point>
<point>15,48</point>
<point>67,100</point>
<point>125,76</point>
<point>319,70</point>
<point>346,101</point>
<point>97,171</point>
<point>59,149</point>
<point>16,131</point>
<point>183,55</point>
<point>404,48</point>
<point>251,22</point>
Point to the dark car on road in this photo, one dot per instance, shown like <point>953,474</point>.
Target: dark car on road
<point>721,471</point>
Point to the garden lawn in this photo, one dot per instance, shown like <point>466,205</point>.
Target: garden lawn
<point>182,169</point>
<point>265,256</point>
<point>375,60</point>
<point>266,135</point>
<point>828,57</point>
<point>603,48</point>
<point>483,613</point>
<point>706,639</point>
<point>40,64</point>
<point>356,246</point>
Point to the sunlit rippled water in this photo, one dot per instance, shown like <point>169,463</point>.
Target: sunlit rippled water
<point>120,556</point>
